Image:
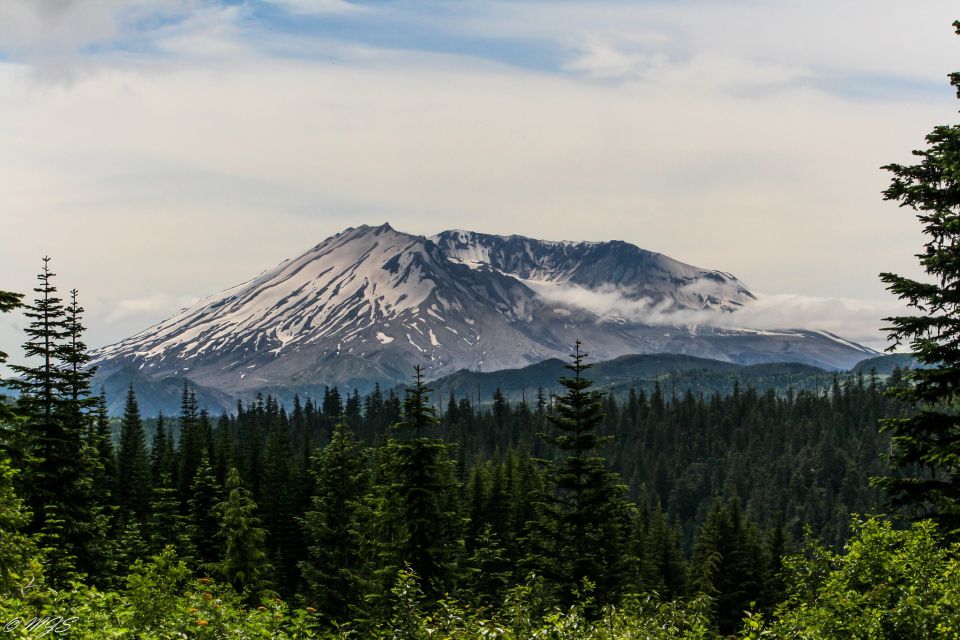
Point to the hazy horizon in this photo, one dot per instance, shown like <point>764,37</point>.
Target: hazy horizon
<point>163,151</point>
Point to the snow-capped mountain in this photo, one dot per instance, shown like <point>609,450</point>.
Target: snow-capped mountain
<point>367,304</point>
<point>634,272</point>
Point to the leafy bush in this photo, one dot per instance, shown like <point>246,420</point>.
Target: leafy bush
<point>888,583</point>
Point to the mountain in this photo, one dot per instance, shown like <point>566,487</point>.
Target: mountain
<point>636,273</point>
<point>158,394</point>
<point>367,304</point>
<point>676,374</point>
<point>884,365</point>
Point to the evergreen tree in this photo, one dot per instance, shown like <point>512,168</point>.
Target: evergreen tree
<point>161,453</point>
<point>280,514</point>
<point>204,497</point>
<point>658,550</point>
<point>584,522</point>
<point>60,460</point>
<point>165,525</point>
<point>490,569</point>
<point>191,442</point>
<point>926,445</point>
<point>420,493</point>
<point>16,547</point>
<point>75,367</point>
<point>8,302</point>
<point>334,568</point>
<point>133,465</point>
<point>106,478</point>
<point>730,564</point>
<point>130,547</point>
<point>47,443</point>
<point>244,565</point>
<point>58,549</point>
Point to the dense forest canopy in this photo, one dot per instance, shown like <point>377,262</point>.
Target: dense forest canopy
<point>344,503</point>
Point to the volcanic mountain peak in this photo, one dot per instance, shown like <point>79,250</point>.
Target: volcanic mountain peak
<point>366,304</point>
<point>372,272</point>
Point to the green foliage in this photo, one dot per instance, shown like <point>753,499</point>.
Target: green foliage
<point>244,565</point>
<point>153,588</point>
<point>417,520</point>
<point>133,468</point>
<point>333,525</point>
<point>730,564</point>
<point>927,444</point>
<point>280,507</point>
<point>204,524</point>
<point>165,524</point>
<point>17,549</point>
<point>582,525</point>
<point>887,584</point>
<point>659,561</point>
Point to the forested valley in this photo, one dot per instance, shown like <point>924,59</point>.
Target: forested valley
<point>576,515</point>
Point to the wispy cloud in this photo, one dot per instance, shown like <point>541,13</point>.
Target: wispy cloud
<point>180,146</point>
<point>319,7</point>
<point>855,319</point>
<point>147,306</point>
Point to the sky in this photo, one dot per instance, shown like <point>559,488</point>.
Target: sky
<point>163,150</point>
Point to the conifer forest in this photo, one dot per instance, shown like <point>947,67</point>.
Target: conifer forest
<point>413,512</point>
<point>359,515</point>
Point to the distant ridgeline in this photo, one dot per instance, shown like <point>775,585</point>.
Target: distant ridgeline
<point>676,374</point>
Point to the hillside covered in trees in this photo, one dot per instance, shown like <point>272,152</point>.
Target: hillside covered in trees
<point>379,514</point>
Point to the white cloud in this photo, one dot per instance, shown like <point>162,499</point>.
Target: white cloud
<point>41,26</point>
<point>146,306</point>
<point>856,319</point>
<point>319,7</point>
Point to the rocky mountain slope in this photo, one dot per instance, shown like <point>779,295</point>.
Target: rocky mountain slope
<point>367,304</point>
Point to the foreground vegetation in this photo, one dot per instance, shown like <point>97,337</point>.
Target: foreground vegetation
<point>275,526</point>
<point>433,515</point>
<point>887,583</point>
<point>253,528</point>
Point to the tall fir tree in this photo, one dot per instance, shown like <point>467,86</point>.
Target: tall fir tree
<point>133,465</point>
<point>106,480</point>
<point>281,478</point>
<point>584,522</point>
<point>190,443</point>
<point>420,492</point>
<point>75,363</point>
<point>334,569</point>
<point>205,495</point>
<point>165,524</point>
<point>60,460</point>
<point>926,445</point>
<point>45,444</point>
<point>245,565</point>
<point>730,564</point>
